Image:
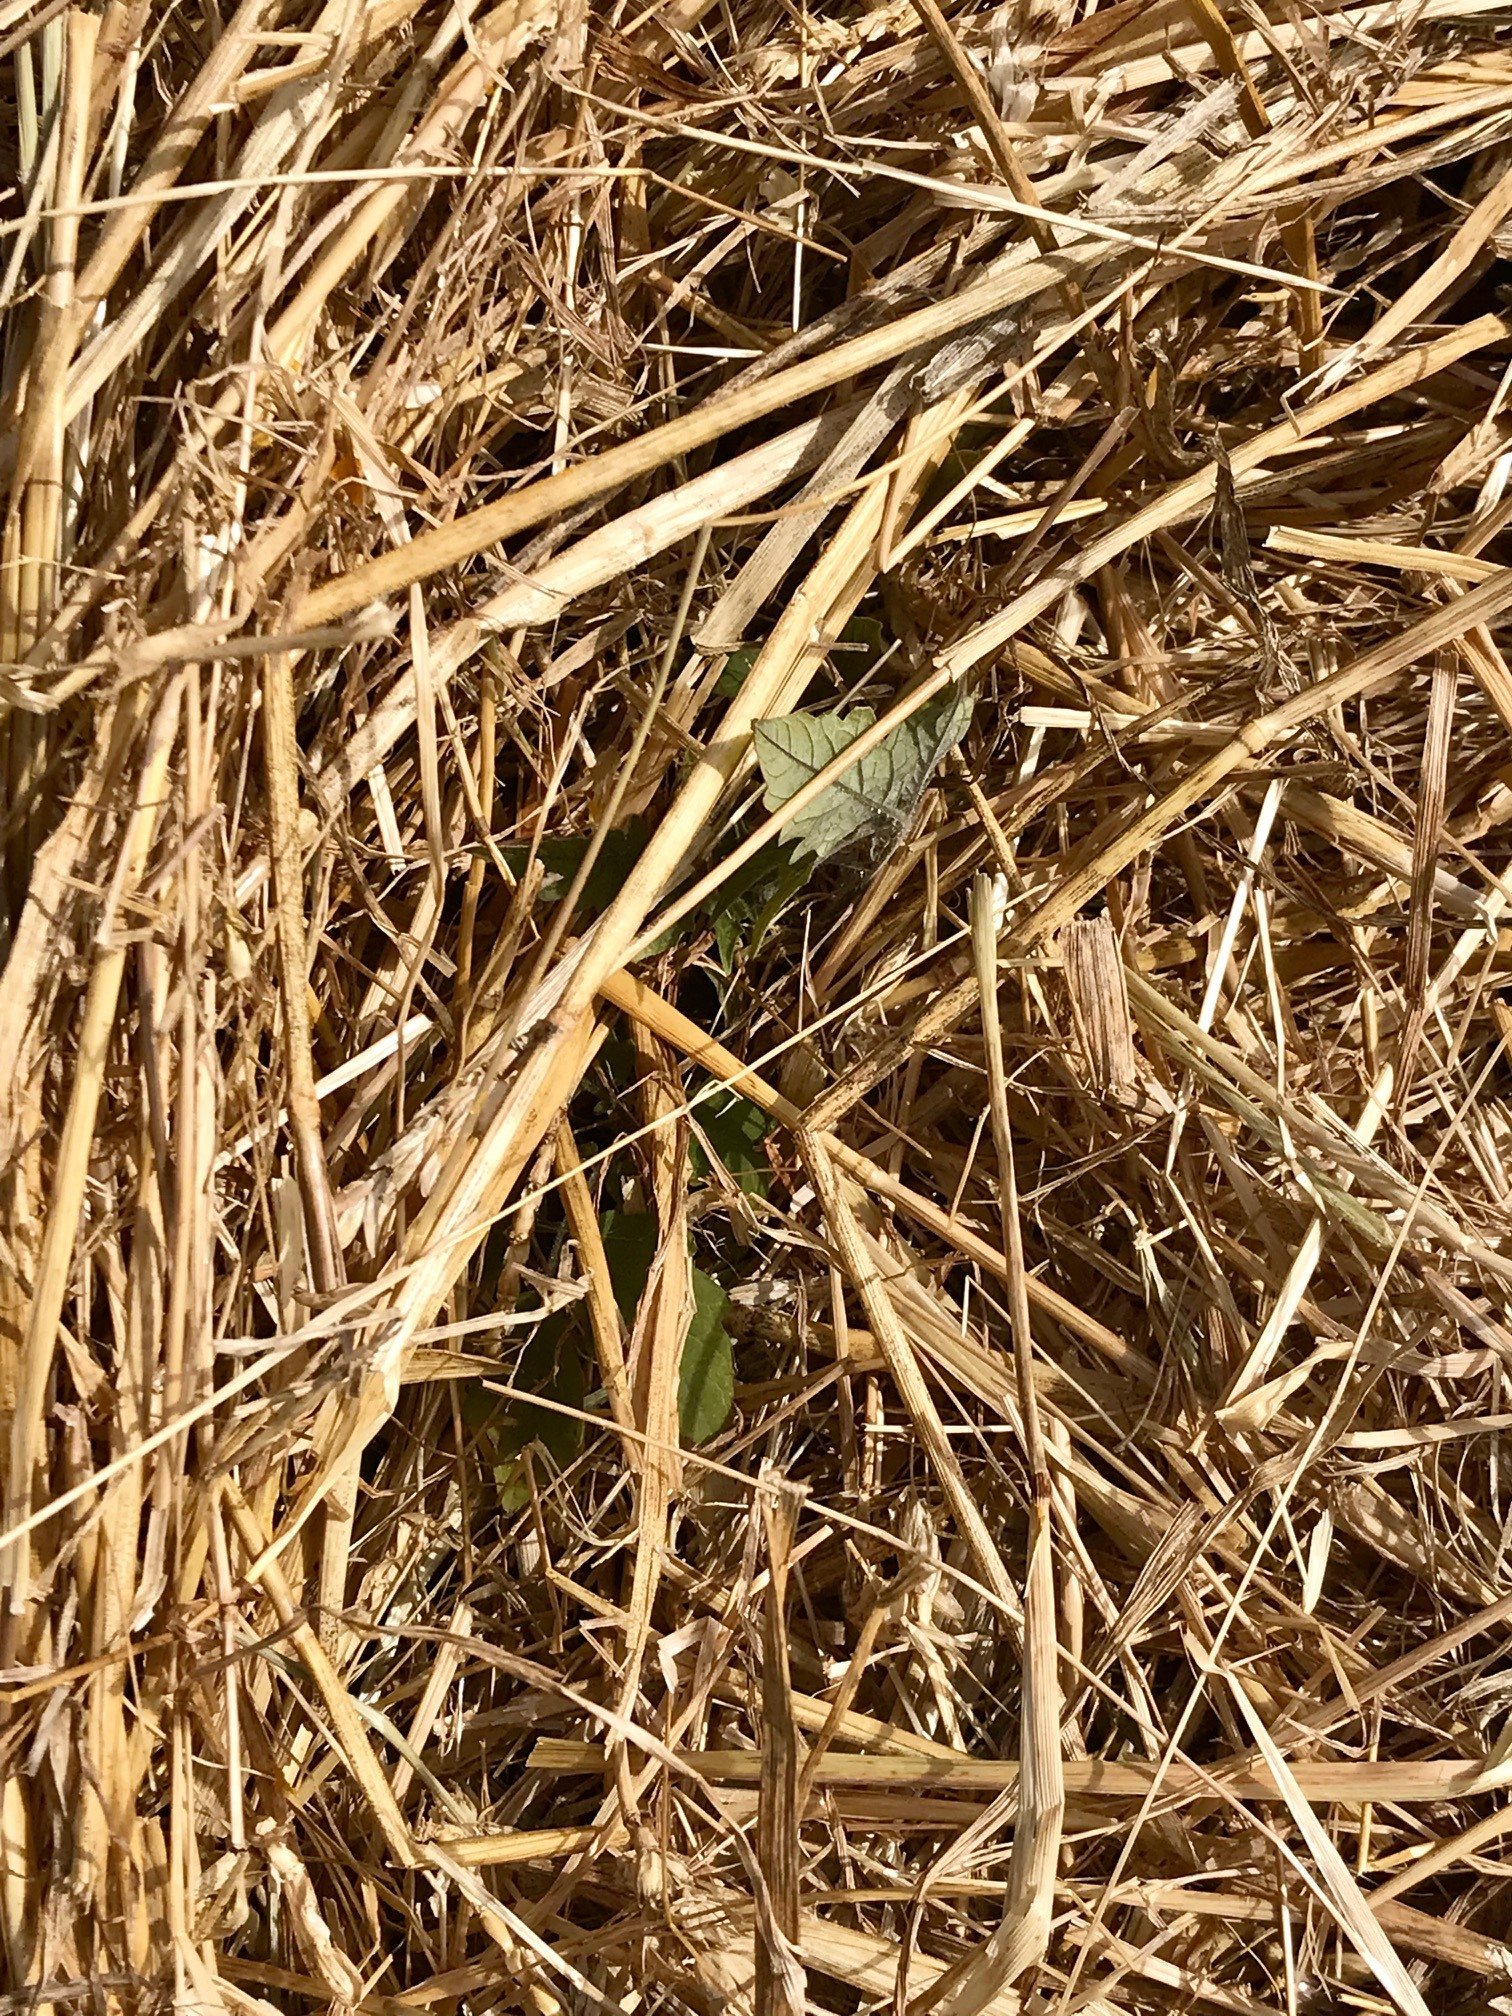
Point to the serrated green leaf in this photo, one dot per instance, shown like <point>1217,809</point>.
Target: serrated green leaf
<point>706,1378</point>
<point>871,803</point>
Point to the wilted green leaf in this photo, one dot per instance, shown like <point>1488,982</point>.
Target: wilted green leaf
<point>871,803</point>
<point>706,1381</point>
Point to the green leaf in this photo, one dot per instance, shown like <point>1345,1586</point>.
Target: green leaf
<point>870,804</point>
<point>735,1130</point>
<point>618,1062</point>
<point>706,1381</point>
<point>727,937</point>
<point>630,1247</point>
<point>480,1408</point>
<point>862,645</point>
<point>552,1365</point>
<point>793,873</point>
<point>706,1378</point>
<point>744,909</point>
<point>734,673</point>
<point>562,857</point>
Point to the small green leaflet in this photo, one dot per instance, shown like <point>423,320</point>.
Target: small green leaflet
<point>870,805</point>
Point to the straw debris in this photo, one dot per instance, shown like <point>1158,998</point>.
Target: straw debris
<point>756,1115</point>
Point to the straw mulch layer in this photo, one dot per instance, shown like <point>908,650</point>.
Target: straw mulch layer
<point>755,1041</point>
